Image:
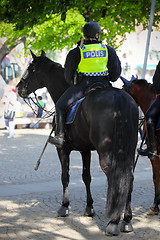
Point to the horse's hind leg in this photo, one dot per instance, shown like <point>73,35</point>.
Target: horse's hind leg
<point>120,181</point>
<point>113,228</point>
<point>86,176</point>
<point>64,159</point>
<point>126,225</point>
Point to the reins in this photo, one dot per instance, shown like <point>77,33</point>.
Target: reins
<point>135,163</point>
<point>47,113</point>
<point>142,120</point>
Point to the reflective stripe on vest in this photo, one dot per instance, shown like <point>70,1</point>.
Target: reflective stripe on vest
<point>94,59</point>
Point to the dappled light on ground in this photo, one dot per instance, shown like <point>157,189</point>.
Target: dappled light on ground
<point>29,199</point>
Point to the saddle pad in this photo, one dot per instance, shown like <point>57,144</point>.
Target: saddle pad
<point>71,115</point>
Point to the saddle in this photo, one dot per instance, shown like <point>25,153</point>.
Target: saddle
<point>72,110</point>
<point>94,87</point>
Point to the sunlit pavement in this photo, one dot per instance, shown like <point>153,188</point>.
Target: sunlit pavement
<point>29,199</point>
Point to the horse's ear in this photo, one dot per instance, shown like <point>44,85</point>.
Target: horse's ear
<point>133,78</point>
<point>33,55</point>
<point>125,81</point>
<point>43,54</point>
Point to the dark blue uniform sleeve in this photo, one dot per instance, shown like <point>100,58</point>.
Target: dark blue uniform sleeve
<point>114,65</point>
<point>71,65</point>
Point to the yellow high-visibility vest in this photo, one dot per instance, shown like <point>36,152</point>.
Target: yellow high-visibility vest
<point>94,59</point>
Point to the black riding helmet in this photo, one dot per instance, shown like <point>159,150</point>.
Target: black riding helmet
<point>90,29</point>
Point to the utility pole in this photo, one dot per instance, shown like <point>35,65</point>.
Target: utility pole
<point>148,37</point>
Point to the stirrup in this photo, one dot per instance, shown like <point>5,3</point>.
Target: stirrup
<point>57,141</point>
<point>146,152</point>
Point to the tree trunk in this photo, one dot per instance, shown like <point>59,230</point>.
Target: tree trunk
<point>5,49</point>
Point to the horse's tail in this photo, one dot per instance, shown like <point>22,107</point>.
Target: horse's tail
<point>120,172</point>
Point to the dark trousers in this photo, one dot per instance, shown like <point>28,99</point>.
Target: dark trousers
<point>154,111</point>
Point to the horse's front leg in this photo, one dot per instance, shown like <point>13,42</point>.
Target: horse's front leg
<point>154,209</point>
<point>86,176</point>
<point>64,159</point>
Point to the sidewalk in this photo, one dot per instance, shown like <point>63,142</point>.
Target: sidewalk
<point>29,199</point>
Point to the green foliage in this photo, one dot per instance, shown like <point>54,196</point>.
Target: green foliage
<point>56,34</point>
<point>8,31</point>
<point>31,12</point>
<point>54,24</point>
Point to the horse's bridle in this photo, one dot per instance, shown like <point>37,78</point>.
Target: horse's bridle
<point>24,77</point>
<point>30,100</point>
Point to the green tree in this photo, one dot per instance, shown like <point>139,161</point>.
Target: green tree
<point>52,24</point>
<point>55,33</point>
<point>52,34</point>
<point>30,12</point>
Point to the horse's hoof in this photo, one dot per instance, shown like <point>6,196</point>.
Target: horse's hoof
<point>153,211</point>
<point>112,229</point>
<point>126,227</point>
<point>89,211</point>
<point>63,212</point>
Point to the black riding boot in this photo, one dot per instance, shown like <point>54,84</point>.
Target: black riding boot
<point>151,151</point>
<point>58,140</point>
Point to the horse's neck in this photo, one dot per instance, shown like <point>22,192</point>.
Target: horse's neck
<point>55,81</point>
<point>144,100</point>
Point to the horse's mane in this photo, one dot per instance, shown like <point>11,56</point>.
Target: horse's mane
<point>140,81</point>
<point>44,59</point>
<point>143,82</point>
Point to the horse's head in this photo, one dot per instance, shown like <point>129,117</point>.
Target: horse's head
<point>135,86</point>
<point>32,78</point>
<point>142,91</point>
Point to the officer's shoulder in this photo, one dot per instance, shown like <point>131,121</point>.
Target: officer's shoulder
<point>111,49</point>
<point>74,51</point>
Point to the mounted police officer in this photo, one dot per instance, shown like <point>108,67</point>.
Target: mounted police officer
<point>90,62</point>
<point>151,116</point>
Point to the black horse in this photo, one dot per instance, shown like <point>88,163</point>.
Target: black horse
<point>106,121</point>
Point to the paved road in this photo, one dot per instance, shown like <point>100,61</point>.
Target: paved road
<point>29,199</point>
